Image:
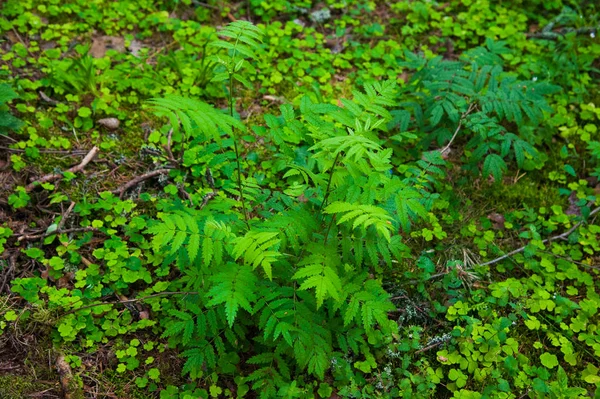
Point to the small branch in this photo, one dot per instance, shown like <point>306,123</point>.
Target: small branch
<point>66,216</point>
<point>547,240</point>
<point>425,349</point>
<point>75,169</point>
<point>170,155</point>
<point>9,138</point>
<point>511,253</point>
<point>207,198</point>
<point>49,100</point>
<point>26,237</point>
<point>140,179</point>
<point>463,116</point>
<point>167,293</point>
<point>554,35</point>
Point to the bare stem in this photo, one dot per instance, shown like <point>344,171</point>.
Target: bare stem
<point>237,154</point>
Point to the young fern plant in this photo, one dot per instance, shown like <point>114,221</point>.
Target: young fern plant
<point>295,287</point>
<point>243,44</point>
<point>476,98</point>
<point>194,121</point>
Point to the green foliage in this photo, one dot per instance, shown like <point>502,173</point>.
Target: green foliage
<point>8,122</point>
<point>475,97</point>
<point>334,232</point>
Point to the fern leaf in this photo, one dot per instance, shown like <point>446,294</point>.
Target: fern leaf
<point>178,241</point>
<point>255,247</point>
<point>494,165</point>
<point>193,246</point>
<point>323,279</point>
<point>207,250</point>
<point>207,119</point>
<point>194,362</point>
<point>363,215</point>
<point>234,288</point>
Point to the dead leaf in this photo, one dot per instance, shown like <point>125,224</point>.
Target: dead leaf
<point>573,209</point>
<point>102,43</point>
<point>109,123</point>
<point>65,280</point>
<point>134,47</point>
<point>497,219</point>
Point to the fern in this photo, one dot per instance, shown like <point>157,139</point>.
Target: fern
<point>364,216</point>
<point>234,288</point>
<point>177,232</point>
<point>198,119</point>
<point>8,122</point>
<point>254,247</point>
<point>245,43</point>
<point>307,287</point>
<point>474,95</point>
<point>321,277</point>
<point>371,305</point>
<point>185,326</point>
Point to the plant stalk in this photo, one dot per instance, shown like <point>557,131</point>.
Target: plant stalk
<point>237,154</point>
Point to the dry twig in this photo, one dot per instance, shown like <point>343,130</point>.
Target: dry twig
<point>26,237</point>
<point>140,179</point>
<point>69,386</point>
<point>56,176</point>
<point>547,240</point>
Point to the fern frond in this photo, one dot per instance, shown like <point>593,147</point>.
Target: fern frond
<point>323,278</point>
<point>257,249</point>
<point>370,305</point>
<point>363,215</point>
<point>246,38</point>
<point>494,165</point>
<point>409,207</point>
<point>234,288</point>
<point>207,121</point>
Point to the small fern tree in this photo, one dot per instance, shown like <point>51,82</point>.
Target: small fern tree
<point>296,286</point>
<point>474,96</point>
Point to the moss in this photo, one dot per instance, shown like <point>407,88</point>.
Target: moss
<point>18,387</point>
<point>526,191</point>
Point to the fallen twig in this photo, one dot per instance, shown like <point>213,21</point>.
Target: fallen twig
<point>511,253</point>
<point>49,100</point>
<point>25,237</point>
<point>55,176</point>
<point>140,179</point>
<point>547,240</point>
<point>69,387</point>
<point>425,349</point>
<point>554,35</point>
<point>65,216</point>
<point>170,155</point>
<point>462,117</point>
<point>207,198</point>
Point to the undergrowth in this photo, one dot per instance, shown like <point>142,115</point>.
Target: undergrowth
<point>426,230</point>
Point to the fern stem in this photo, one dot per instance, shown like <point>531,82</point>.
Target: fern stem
<point>462,117</point>
<point>327,190</point>
<point>328,229</point>
<point>235,146</point>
